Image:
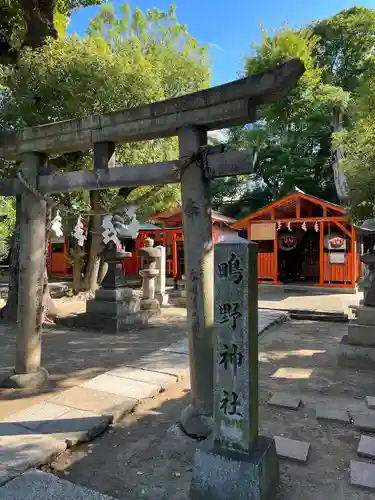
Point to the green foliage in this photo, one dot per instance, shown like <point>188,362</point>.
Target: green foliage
<point>354,68</point>
<point>7,207</point>
<point>345,47</point>
<point>358,143</point>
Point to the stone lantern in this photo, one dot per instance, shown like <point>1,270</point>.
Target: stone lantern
<point>149,256</point>
<point>116,307</point>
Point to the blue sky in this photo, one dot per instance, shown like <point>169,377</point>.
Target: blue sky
<point>230,27</point>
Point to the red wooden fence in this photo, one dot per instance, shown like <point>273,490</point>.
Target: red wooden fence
<point>266,266</point>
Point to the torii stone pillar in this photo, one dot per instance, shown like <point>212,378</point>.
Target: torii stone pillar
<point>196,419</point>
<point>28,372</point>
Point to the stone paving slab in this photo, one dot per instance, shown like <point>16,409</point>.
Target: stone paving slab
<point>370,401</point>
<point>362,474</point>
<point>122,386</point>
<point>36,415</point>
<point>71,425</point>
<point>37,485</point>
<point>102,403</point>
<point>75,426</point>
<point>292,449</point>
<point>20,450</point>
<point>366,447</point>
<point>284,400</point>
<point>332,414</point>
<point>268,318</point>
<point>365,422</point>
<point>164,362</point>
<point>162,380</point>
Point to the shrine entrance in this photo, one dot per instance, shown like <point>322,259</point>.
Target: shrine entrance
<point>298,255</point>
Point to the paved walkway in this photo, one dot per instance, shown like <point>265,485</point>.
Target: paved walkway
<point>83,399</point>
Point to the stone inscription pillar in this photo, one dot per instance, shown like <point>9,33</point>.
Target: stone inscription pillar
<point>28,371</point>
<point>198,247</point>
<point>235,463</point>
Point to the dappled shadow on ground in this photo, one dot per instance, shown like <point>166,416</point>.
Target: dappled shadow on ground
<point>72,356</point>
<point>302,357</point>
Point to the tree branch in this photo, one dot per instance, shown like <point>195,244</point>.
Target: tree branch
<point>38,16</point>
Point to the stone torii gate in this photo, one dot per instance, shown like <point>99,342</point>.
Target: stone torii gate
<point>189,117</point>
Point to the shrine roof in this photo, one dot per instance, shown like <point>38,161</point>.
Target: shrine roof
<point>175,214</point>
<point>307,205</point>
<point>148,227</point>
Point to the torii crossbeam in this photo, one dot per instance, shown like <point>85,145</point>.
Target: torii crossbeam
<point>189,117</point>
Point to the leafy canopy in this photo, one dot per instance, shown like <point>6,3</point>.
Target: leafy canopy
<point>345,46</point>
<point>352,59</point>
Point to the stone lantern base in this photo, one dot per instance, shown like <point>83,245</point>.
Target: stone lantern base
<point>357,348</point>
<point>112,311</point>
<point>115,308</point>
<point>150,308</point>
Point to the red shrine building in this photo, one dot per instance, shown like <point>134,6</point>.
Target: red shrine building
<point>167,230</point>
<point>164,228</point>
<point>302,238</point>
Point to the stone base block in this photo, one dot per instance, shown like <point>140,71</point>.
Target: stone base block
<point>196,423</point>
<point>25,380</point>
<point>115,294</point>
<point>106,324</point>
<point>111,309</point>
<point>361,334</point>
<point>150,308</point>
<point>366,315</point>
<point>356,356</point>
<point>225,475</point>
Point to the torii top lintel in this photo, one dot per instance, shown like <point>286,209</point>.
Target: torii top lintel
<point>227,105</point>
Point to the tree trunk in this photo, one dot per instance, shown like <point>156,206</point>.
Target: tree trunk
<point>337,155</point>
<point>94,245</point>
<point>78,257</point>
<point>38,16</point>
<point>9,311</point>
